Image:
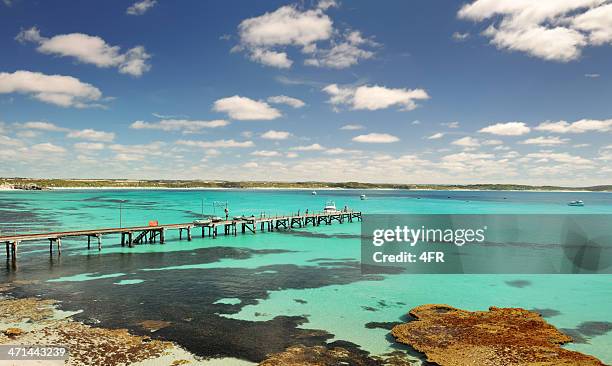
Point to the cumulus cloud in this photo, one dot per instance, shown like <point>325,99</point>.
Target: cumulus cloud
<point>467,141</point>
<point>374,97</point>
<point>64,91</point>
<point>246,109</point>
<point>140,7</point>
<point>436,136</point>
<point>265,153</point>
<point>216,144</point>
<point>275,135</point>
<point>564,158</point>
<point>90,50</point>
<point>48,147</point>
<point>283,99</point>
<point>184,125</point>
<point>41,126</point>
<point>506,129</point>
<point>92,135</point>
<point>265,37</point>
<point>352,127</point>
<point>545,141</point>
<point>458,36</point>
<point>89,146</point>
<point>313,147</point>
<point>551,30</point>
<point>376,138</point>
<point>581,126</point>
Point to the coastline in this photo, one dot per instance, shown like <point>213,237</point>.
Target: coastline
<point>204,188</point>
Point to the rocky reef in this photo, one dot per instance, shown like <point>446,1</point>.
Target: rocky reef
<point>334,355</point>
<point>498,337</point>
<point>32,321</point>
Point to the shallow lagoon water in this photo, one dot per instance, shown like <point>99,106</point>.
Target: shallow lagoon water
<point>216,292</point>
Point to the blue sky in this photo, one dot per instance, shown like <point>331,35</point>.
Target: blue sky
<point>486,91</point>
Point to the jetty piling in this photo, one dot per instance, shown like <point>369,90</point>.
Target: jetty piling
<point>148,234</point>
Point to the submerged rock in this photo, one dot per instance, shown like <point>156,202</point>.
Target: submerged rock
<point>498,337</point>
<point>334,355</point>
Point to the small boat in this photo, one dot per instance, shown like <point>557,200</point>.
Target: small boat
<point>216,219</point>
<point>202,222</point>
<point>330,207</point>
<point>363,197</point>
<point>314,193</point>
<point>577,203</point>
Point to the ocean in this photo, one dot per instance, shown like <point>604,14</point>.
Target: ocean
<point>240,298</point>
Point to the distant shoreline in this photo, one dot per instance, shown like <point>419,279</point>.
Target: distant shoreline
<point>30,184</point>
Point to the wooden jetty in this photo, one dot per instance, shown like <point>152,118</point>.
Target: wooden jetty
<point>131,236</point>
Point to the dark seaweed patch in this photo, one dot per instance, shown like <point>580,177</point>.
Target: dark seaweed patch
<point>518,283</point>
<point>300,301</point>
<point>382,325</point>
<point>547,313</point>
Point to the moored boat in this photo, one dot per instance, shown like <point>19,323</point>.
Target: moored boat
<point>577,203</point>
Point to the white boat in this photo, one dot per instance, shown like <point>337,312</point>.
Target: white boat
<point>202,222</point>
<point>363,197</point>
<point>330,207</point>
<point>314,193</point>
<point>578,203</point>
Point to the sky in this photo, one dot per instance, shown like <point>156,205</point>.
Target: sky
<point>484,91</point>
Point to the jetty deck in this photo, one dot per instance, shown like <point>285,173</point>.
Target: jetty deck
<point>131,236</point>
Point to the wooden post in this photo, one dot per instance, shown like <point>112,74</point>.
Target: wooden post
<point>99,242</point>
<point>50,247</point>
<point>130,242</point>
<point>14,250</point>
<point>59,246</point>
<point>162,238</point>
<point>122,239</point>
<point>8,250</point>
<point>188,233</point>
<point>202,231</point>
<point>180,234</point>
<point>88,241</point>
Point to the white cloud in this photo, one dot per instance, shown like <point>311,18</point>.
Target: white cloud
<point>313,147</point>
<point>458,36</point>
<point>453,124</point>
<point>48,147</point>
<point>140,7</point>
<point>250,165</point>
<point>467,141</point>
<point>271,58</point>
<point>246,109</point>
<point>41,126</point>
<point>341,55</point>
<point>492,142</point>
<point>89,146</point>
<point>92,135</point>
<point>91,50</point>
<point>216,144</point>
<point>551,30</point>
<point>352,127</point>
<point>545,141</point>
<point>592,76</point>
<point>265,153</point>
<point>436,136</point>
<point>7,141</point>
<point>564,158</point>
<point>178,125</point>
<point>292,155</point>
<point>506,129</point>
<point>375,97</point>
<point>264,37</point>
<point>290,101</point>
<point>581,126</point>
<point>339,151</point>
<point>376,138</point>
<point>64,91</point>
<point>275,135</point>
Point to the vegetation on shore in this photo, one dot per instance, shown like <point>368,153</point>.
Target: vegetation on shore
<point>35,184</point>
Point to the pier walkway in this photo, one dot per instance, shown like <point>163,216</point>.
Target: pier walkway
<point>131,236</point>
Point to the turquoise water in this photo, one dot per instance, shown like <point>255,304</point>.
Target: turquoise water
<point>280,283</point>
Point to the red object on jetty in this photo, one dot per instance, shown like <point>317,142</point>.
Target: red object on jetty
<point>153,223</point>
